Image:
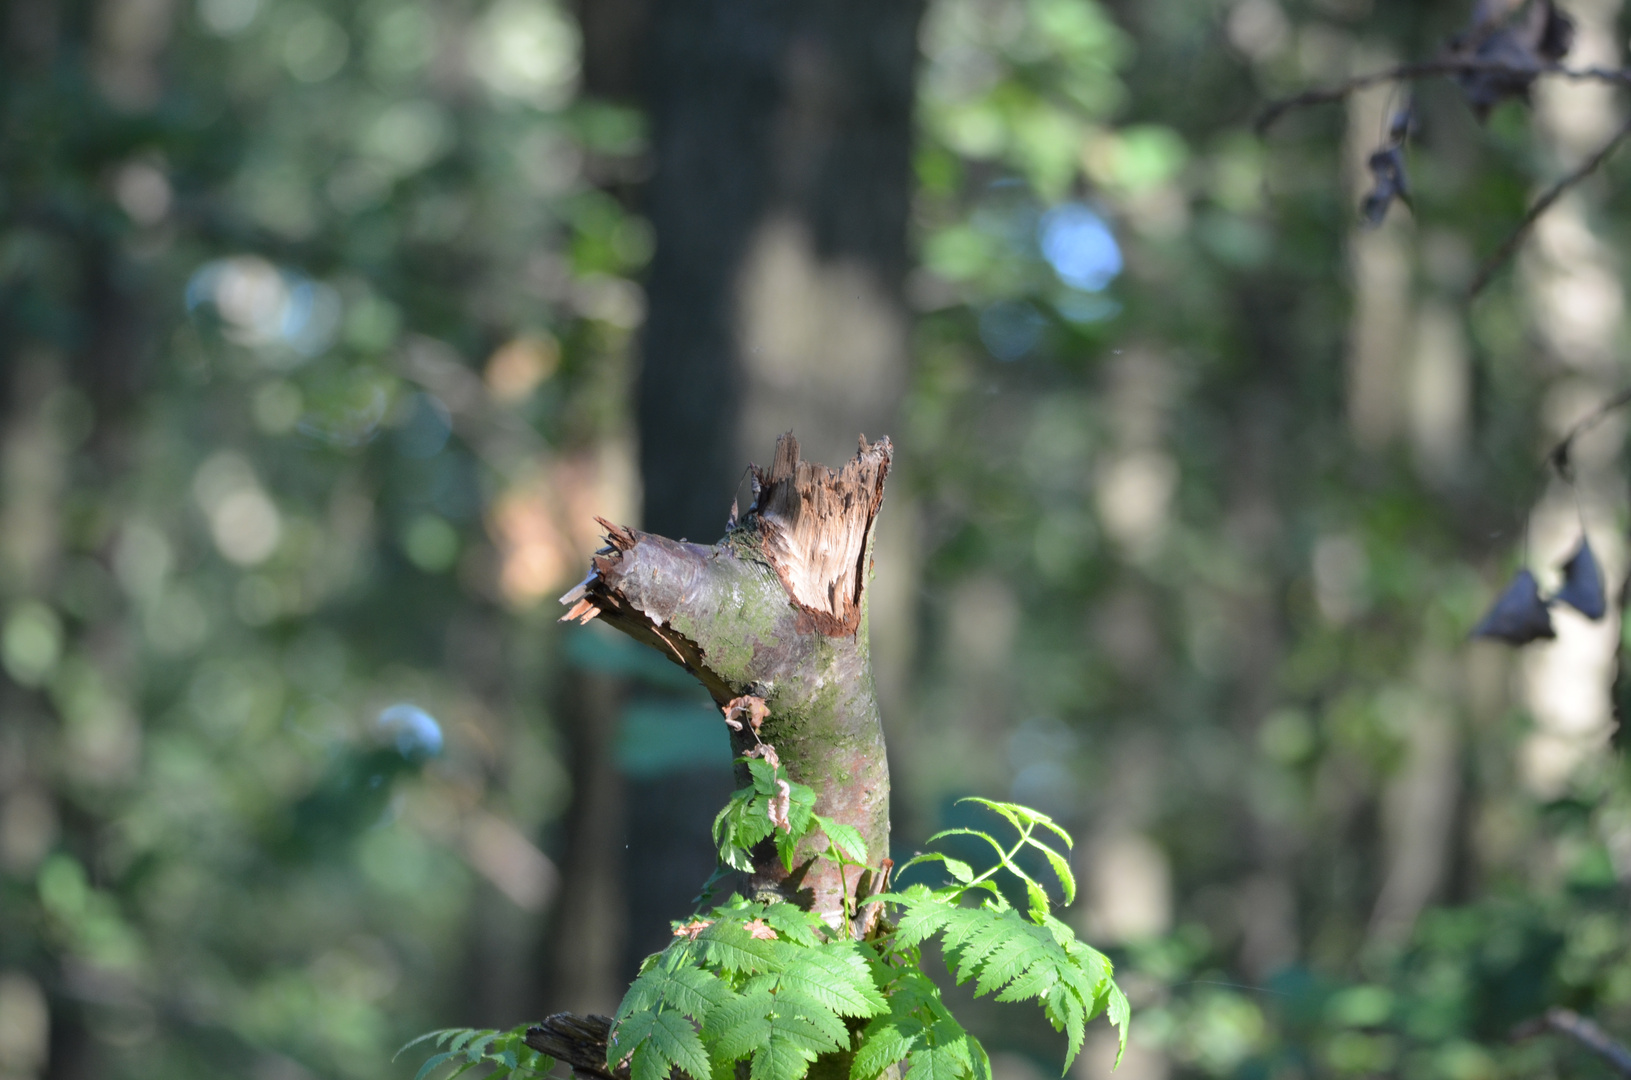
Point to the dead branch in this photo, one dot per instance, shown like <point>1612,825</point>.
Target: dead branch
<point>1510,245</point>
<point>580,1041</point>
<point>1581,1030</point>
<point>1429,69</point>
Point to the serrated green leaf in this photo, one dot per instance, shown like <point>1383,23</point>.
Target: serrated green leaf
<point>1053,827</point>
<point>764,777</point>
<point>728,945</point>
<point>681,986</point>
<point>1015,955</point>
<point>1023,817</point>
<point>922,921</point>
<point>660,1040</point>
<point>1038,899</point>
<point>416,1040</point>
<point>787,842</point>
<point>788,1053</point>
<point>846,838</point>
<point>1121,1015</point>
<point>433,1062</point>
<point>733,1030</point>
<point>839,979</point>
<point>947,1061</point>
<point>1002,852</point>
<point>1033,983</point>
<point>971,938</point>
<point>784,1031</point>
<point>959,870</point>
<point>1018,816</point>
<point>881,1047</point>
<point>1061,870</point>
<point>979,1059</point>
<point>1065,1011</point>
<point>965,924</point>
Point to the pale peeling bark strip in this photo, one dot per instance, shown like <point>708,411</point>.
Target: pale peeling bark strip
<point>776,610</point>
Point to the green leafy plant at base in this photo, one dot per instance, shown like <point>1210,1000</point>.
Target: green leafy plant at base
<point>505,1053</point>
<point>768,983</point>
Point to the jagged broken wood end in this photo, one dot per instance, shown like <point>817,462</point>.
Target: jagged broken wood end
<point>775,610</point>
<point>810,524</point>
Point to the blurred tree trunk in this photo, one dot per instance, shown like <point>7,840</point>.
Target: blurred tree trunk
<point>782,138</point>
<point>82,345</point>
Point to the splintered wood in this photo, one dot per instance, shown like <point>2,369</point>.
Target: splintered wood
<point>815,523</point>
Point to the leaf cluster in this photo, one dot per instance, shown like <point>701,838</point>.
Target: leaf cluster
<point>753,812</point>
<point>766,983</point>
<point>1521,614</point>
<point>504,1053</point>
<point>748,817</point>
<point>776,986</point>
<point>1020,957</point>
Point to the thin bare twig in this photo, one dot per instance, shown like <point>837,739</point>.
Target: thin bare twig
<point>1560,456</point>
<point>1428,69</point>
<point>1581,1030</point>
<point>1510,244</point>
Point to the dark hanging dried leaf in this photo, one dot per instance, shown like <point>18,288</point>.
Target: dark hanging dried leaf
<point>1387,166</point>
<point>1583,583</point>
<point>1540,36</point>
<point>1557,35</point>
<point>1519,616</point>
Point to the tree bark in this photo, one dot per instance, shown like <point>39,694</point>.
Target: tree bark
<point>777,610</point>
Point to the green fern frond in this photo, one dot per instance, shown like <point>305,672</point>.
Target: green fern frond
<point>728,945</point>
<point>505,1053</point>
<point>678,984</point>
<point>1007,954</point>
<point>846,839</point>
<point>837,977</point>
<point>794,1044</point>
<point>656,1041</point>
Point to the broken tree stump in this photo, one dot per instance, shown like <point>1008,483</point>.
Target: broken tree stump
<point>776,610</point>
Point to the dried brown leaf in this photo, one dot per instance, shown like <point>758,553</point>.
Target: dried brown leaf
<point>780,805</point>
<point>749,706</point>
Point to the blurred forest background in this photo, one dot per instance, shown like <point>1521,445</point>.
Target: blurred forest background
<point>326,327</point>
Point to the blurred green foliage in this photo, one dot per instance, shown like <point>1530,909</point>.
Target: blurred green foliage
<point>313,312</point>
<point>316,322</point>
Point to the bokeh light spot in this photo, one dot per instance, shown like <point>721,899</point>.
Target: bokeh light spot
<point>1080,247</point>
<point>415,732</point>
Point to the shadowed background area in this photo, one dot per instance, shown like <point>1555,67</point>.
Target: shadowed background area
<point>327,329</point>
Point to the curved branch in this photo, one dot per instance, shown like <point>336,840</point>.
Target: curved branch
<point>1428,69</point>
<point>1581,1030</point>
<point>1556,191</point>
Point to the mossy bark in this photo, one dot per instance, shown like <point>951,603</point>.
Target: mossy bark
<point>776,610</point>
